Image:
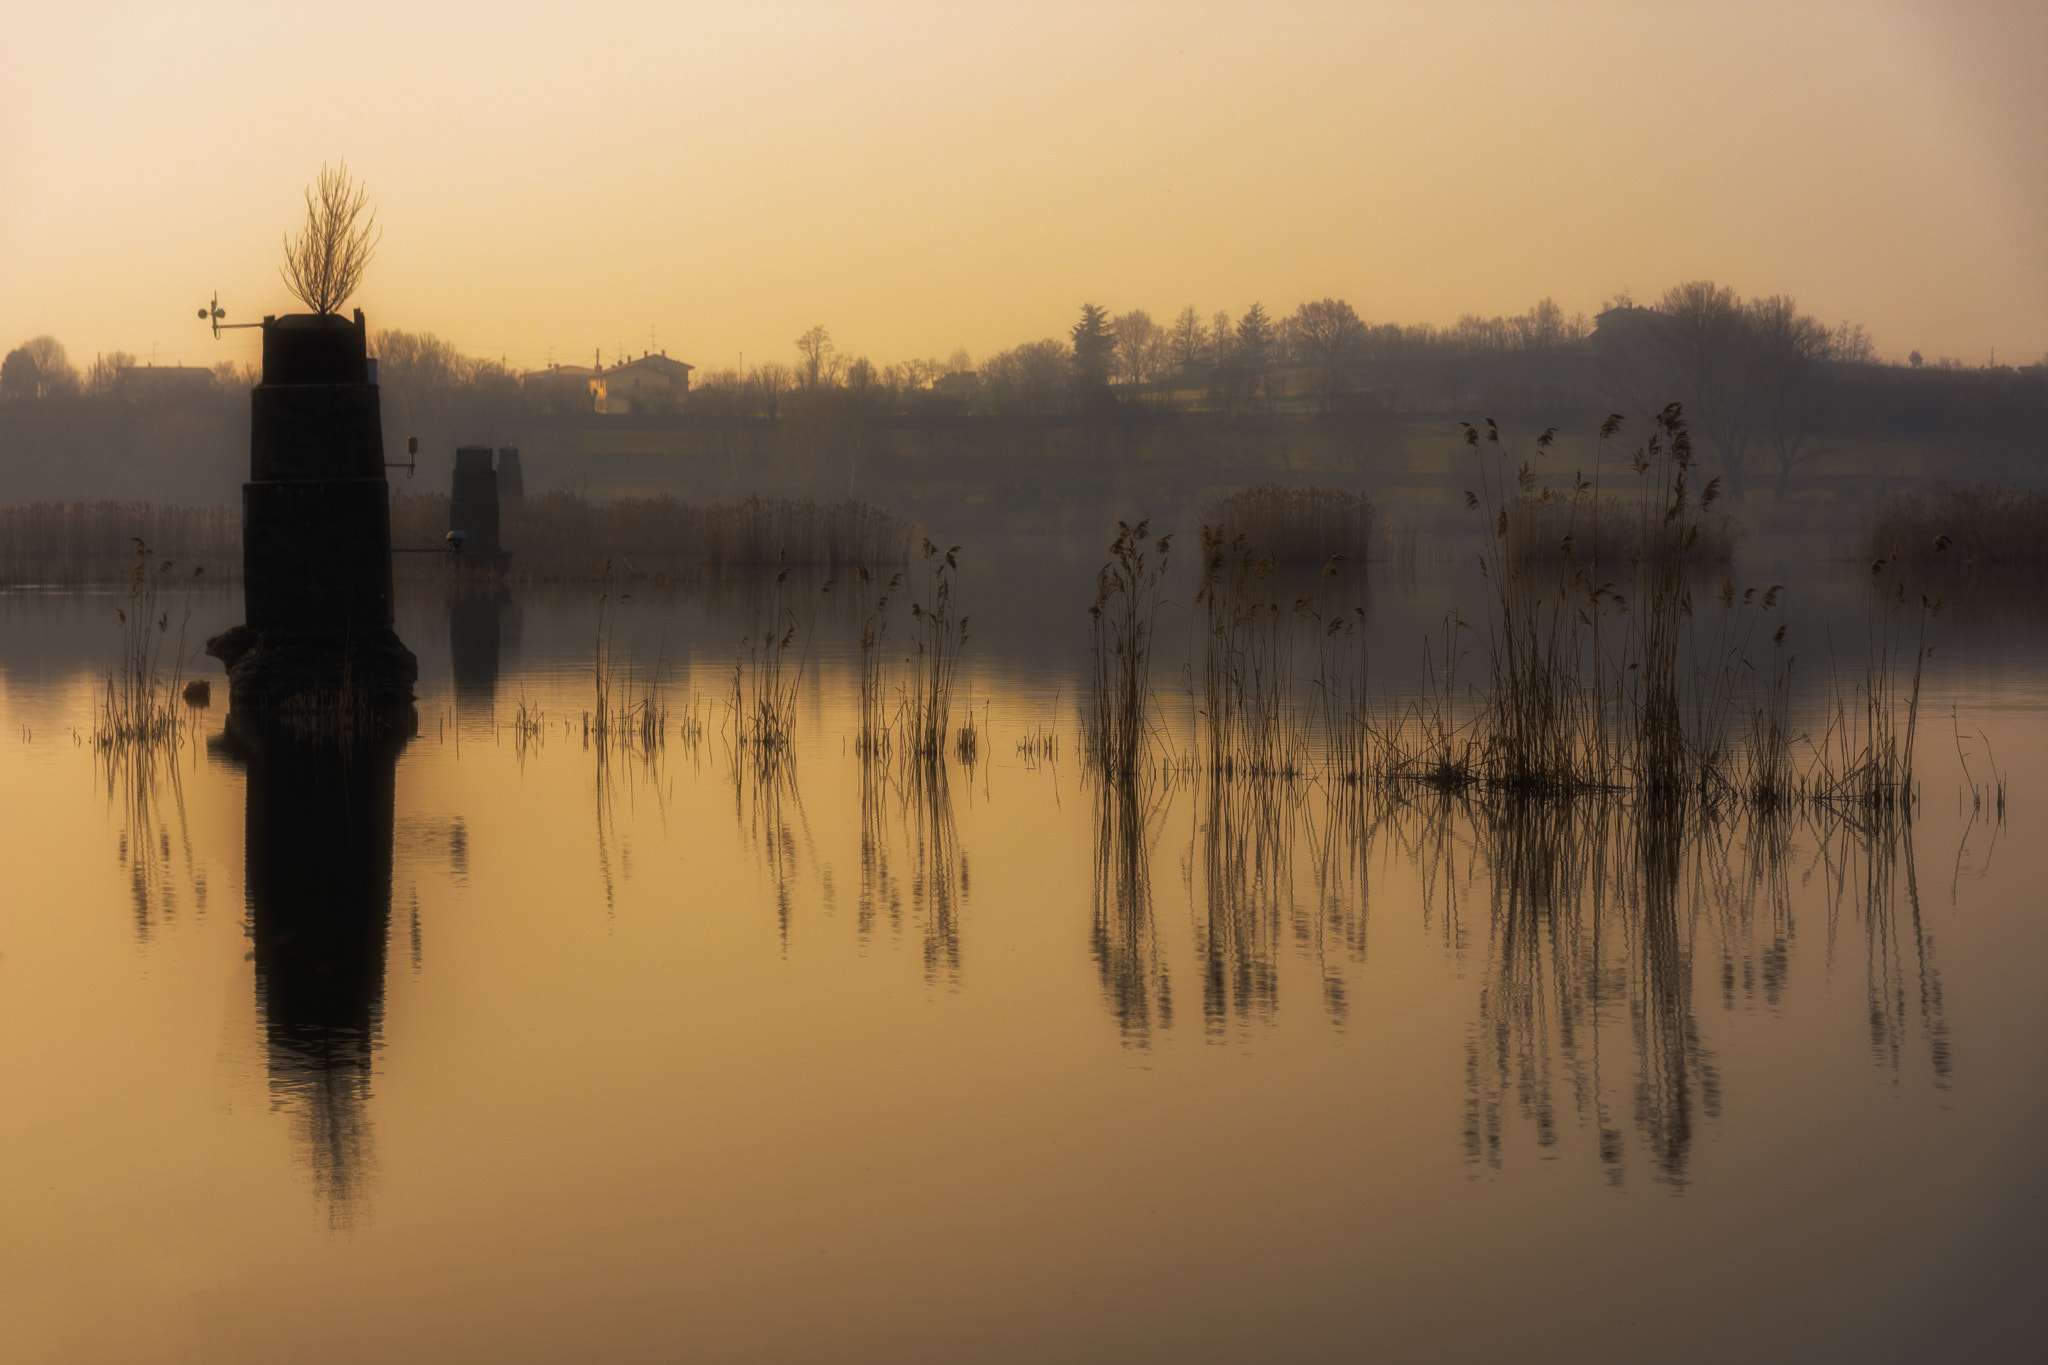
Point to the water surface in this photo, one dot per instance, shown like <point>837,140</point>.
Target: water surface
<point>501,1044</point>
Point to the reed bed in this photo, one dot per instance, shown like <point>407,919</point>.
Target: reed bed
<point>877,730</point>
<point>1976,526</point>
<point>1634,681</point>
<point>561,535</point>
<point>1644,676</point>
<point>1865,749</point>
<point>1122,619</point>
<point>936,641</point>
<point>74,543</point>
<point>1250,720</point>
<point>915,719</point>
<point>1612,527</point>
<point>628,709</point>
<point>765,681</point>
<point>141,702</point>
<point>1295,525</point>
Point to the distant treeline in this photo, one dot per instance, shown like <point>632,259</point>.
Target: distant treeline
<point>1771,394</point>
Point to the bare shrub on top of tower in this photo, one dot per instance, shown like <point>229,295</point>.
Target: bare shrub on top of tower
<point>325,263</point>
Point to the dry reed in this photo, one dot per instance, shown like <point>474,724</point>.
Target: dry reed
<point>1126,601</point>
<point>141,703</point>
<point>1640,677</point>
<point>1248,688</point>
<point>1977,526</point>
<point>73,543</point>
<point>561,535</point>
<point>765,682</point>
<point>627,708</point>
<point>1304,525</point>
<point>936,642</point>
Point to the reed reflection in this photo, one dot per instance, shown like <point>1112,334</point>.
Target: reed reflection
<point>1259,832</point>
<point>906,820</point>
<point>1124,941</point>
<point>1247,838</point>
<point>1867,859</point>
<point>144,777</point>
<point>1601,913</point>
<point>1282,865</point>
<point>1612,927</point>
<point>319,877</point>
<point>769,809</point>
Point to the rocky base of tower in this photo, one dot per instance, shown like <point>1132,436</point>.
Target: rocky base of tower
<point>346,682</point>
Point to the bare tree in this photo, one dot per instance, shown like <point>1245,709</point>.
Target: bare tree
<point>326,262</point>
<point>1033,377</point>
<point>768,383</point>
<point>105,373</point>
<point>818,360</point>
<point>1851,344</point>
<point>1139,346</point>
<point>1710,352</point>
<point>1332,334</point>
<point>1188,340</point>
<point>55,373</point>
<point>1789,348</point>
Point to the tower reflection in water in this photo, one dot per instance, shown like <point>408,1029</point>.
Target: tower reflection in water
<point>319,841</point>
<point>483,634</point>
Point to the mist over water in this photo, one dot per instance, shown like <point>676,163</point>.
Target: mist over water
<point>535,1041</point>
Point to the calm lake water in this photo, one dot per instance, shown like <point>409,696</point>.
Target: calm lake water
<point>495,1047</point>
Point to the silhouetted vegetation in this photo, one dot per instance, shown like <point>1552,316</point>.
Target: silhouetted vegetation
<point>75,543</point>
<point>141,701</point>
<point>1295,525</point>
<point>1783,406</point>
<point>1977,526</point>
<point>325,262</point>
<point>1126,601</point>
<point>561,535</point>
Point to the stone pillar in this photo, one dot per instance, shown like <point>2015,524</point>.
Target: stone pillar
<point>473,503</point>
<point>316,532</point>
<point>511,481</point>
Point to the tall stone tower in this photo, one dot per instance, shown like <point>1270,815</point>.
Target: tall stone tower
<point>316,533</point>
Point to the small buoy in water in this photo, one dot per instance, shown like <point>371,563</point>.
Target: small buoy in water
<point>198,692</point>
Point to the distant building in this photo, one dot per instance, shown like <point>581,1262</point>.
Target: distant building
<point>560,388</point>
<point>653,383</point>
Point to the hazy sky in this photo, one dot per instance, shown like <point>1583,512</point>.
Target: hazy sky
<point>555,179</point>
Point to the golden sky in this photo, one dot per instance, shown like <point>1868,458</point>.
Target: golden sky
<point>552,180</point>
